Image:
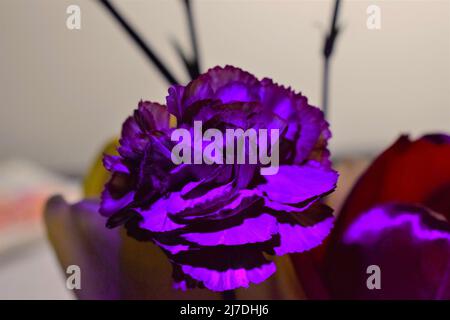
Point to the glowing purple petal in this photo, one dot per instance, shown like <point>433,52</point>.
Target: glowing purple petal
<point>230,279</point>
<point>234,92</point>
<point>298,238</point>
<point>252,230</point>
<point>156,219</point>
<point>177,203</point>
<point>173,249</point>
<point>111,204</point>
<point>295,184</point>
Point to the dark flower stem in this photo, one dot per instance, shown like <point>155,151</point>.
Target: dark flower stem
<point>194,67</point>
<point>327,52</point>
<point>138,40</point>
<point>229,295</point>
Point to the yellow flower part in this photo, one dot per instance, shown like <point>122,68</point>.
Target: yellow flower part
<point>97,175</point>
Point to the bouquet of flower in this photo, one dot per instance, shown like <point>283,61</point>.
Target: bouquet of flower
<point>221,192</point>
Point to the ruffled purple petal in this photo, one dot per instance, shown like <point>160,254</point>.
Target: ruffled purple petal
<point>178,203</point>
<point>295,184</point>
<point>149,117</point>
<point>152,116</point>
<point>219,77</point>
<point>196,90</point>
<point>209,85</point>
<point>235,92</point>
<point>218,203</point>
<point>313,136</point>
<point>297,238</point>
<point>180,285</point>
<point>156,218</point>
<point>173,100</point>
<point>307,127</point>
<point>115,164</point>
<point>110,205</point>
<point>172,249</point>
<point>280,100</point>
<point>230,279</point>
<point>276,206</point>
<point>117,194</point>
<point>252,230</point>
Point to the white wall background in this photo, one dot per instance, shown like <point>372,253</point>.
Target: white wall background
<point>63,93</point>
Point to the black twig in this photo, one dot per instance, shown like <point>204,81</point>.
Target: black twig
<point>327,52</point>
<point>192,65</point>
<point>141,44</point>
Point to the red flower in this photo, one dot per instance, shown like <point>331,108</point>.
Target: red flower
<point>397,217</point>
<point>410,172</point>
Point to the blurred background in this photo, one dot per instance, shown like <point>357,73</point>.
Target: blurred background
<point>65,93</point>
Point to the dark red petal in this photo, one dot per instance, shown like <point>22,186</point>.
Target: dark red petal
<point>409,172</point>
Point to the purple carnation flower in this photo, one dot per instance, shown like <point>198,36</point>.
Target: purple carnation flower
<point>217,222</point>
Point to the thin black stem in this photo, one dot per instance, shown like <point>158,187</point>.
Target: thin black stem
<point>327,52</point>
<point>325,88</point>
<point>195,63</point>
<point>140,43</point>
